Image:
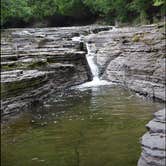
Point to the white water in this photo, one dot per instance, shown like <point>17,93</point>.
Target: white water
<point>96,81</point>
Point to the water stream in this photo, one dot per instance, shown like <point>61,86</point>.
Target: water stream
<point>96,125</point>
<point>90,56</point>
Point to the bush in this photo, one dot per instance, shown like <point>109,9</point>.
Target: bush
<point>109,10</point>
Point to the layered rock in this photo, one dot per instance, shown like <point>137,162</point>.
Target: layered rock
<point>154,142</point>
<point>133,57</point>
<point>37,62</point>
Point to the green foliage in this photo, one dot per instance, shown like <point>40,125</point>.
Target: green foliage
<point>141,7</point>
<point>100,6</point>
<point>111,10</point>
<point>158,2</point>
<point>43,8</point>
<point>74,8</point>
<point>14,8</point>
<point>120,9</point>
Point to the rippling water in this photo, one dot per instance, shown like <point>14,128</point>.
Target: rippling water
<point>92,127</point>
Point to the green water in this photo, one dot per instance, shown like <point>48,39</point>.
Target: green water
<point>94,127</point>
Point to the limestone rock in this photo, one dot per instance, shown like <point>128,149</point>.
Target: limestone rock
<point>133,57</point>
<point>160,115</point>
<point>40,61</point>
<point>156,126</point>
<point>154,142</point>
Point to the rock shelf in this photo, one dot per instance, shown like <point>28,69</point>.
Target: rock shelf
<point>154,142</point>
<point>36,62</point>
<point>133,57</point>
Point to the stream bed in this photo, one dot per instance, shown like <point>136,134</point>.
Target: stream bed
<point>97,126</point>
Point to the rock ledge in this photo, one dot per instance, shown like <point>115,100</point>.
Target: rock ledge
<point>154,142</point>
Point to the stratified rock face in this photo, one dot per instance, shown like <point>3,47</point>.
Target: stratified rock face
<point>37,62</point>
<point>154,142</point>
<point>133,57</point>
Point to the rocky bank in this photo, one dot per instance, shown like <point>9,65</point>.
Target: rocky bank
<point>154,142</point>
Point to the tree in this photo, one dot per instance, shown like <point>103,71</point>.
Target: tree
<point>13,9</point>
<point>158,2</point>
<point>141,7</point>
<point>43,8</point>
<point>108,10</point>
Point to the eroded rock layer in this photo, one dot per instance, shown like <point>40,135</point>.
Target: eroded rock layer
<point>154,142</point>
<point>36,62</point>
<point>133,57</point>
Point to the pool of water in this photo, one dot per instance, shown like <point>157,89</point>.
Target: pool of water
<point>92,127</point>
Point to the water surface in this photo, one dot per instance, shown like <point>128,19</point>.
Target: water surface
<point>94,127</point>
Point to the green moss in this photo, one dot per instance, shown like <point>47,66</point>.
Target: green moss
<point>30,65</point>
<point>18,87</point>
<point>148,41</point>
<point>7,67</point>
<point>37,64</point>
<point>137,37</point>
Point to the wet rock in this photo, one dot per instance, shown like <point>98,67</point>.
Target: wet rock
<point>160,115</point>
<point>133,57</point>
<point>38,62</point>
<point>156,126</point>
<point>154,142</point>
<point>147,160</point>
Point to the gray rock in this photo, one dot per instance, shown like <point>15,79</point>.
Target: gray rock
<point>156,126</point>
<point>154,142</point>
<point>37,62</point>
<point>133,57</point>
<point>147,160</point>
<point>160,115</point>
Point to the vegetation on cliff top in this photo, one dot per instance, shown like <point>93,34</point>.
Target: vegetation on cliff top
<point>66,12</point>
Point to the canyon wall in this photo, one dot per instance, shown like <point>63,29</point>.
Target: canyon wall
<point>133,57</point>
<point>37,62</point>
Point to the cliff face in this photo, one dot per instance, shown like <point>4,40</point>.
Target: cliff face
<point>36,62</point>
<point>133,57</point>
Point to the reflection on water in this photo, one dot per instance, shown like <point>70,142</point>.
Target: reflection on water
<point>99,126</point>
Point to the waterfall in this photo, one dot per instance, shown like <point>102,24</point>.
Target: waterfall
<point>90,56</point>
<point>91,62</point>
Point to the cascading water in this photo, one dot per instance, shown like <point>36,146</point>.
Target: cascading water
<point>90,56</point>
<point>94,69</point>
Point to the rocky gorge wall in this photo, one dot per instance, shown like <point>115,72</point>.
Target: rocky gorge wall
<point>37,62</point>
<point>133,57</point>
